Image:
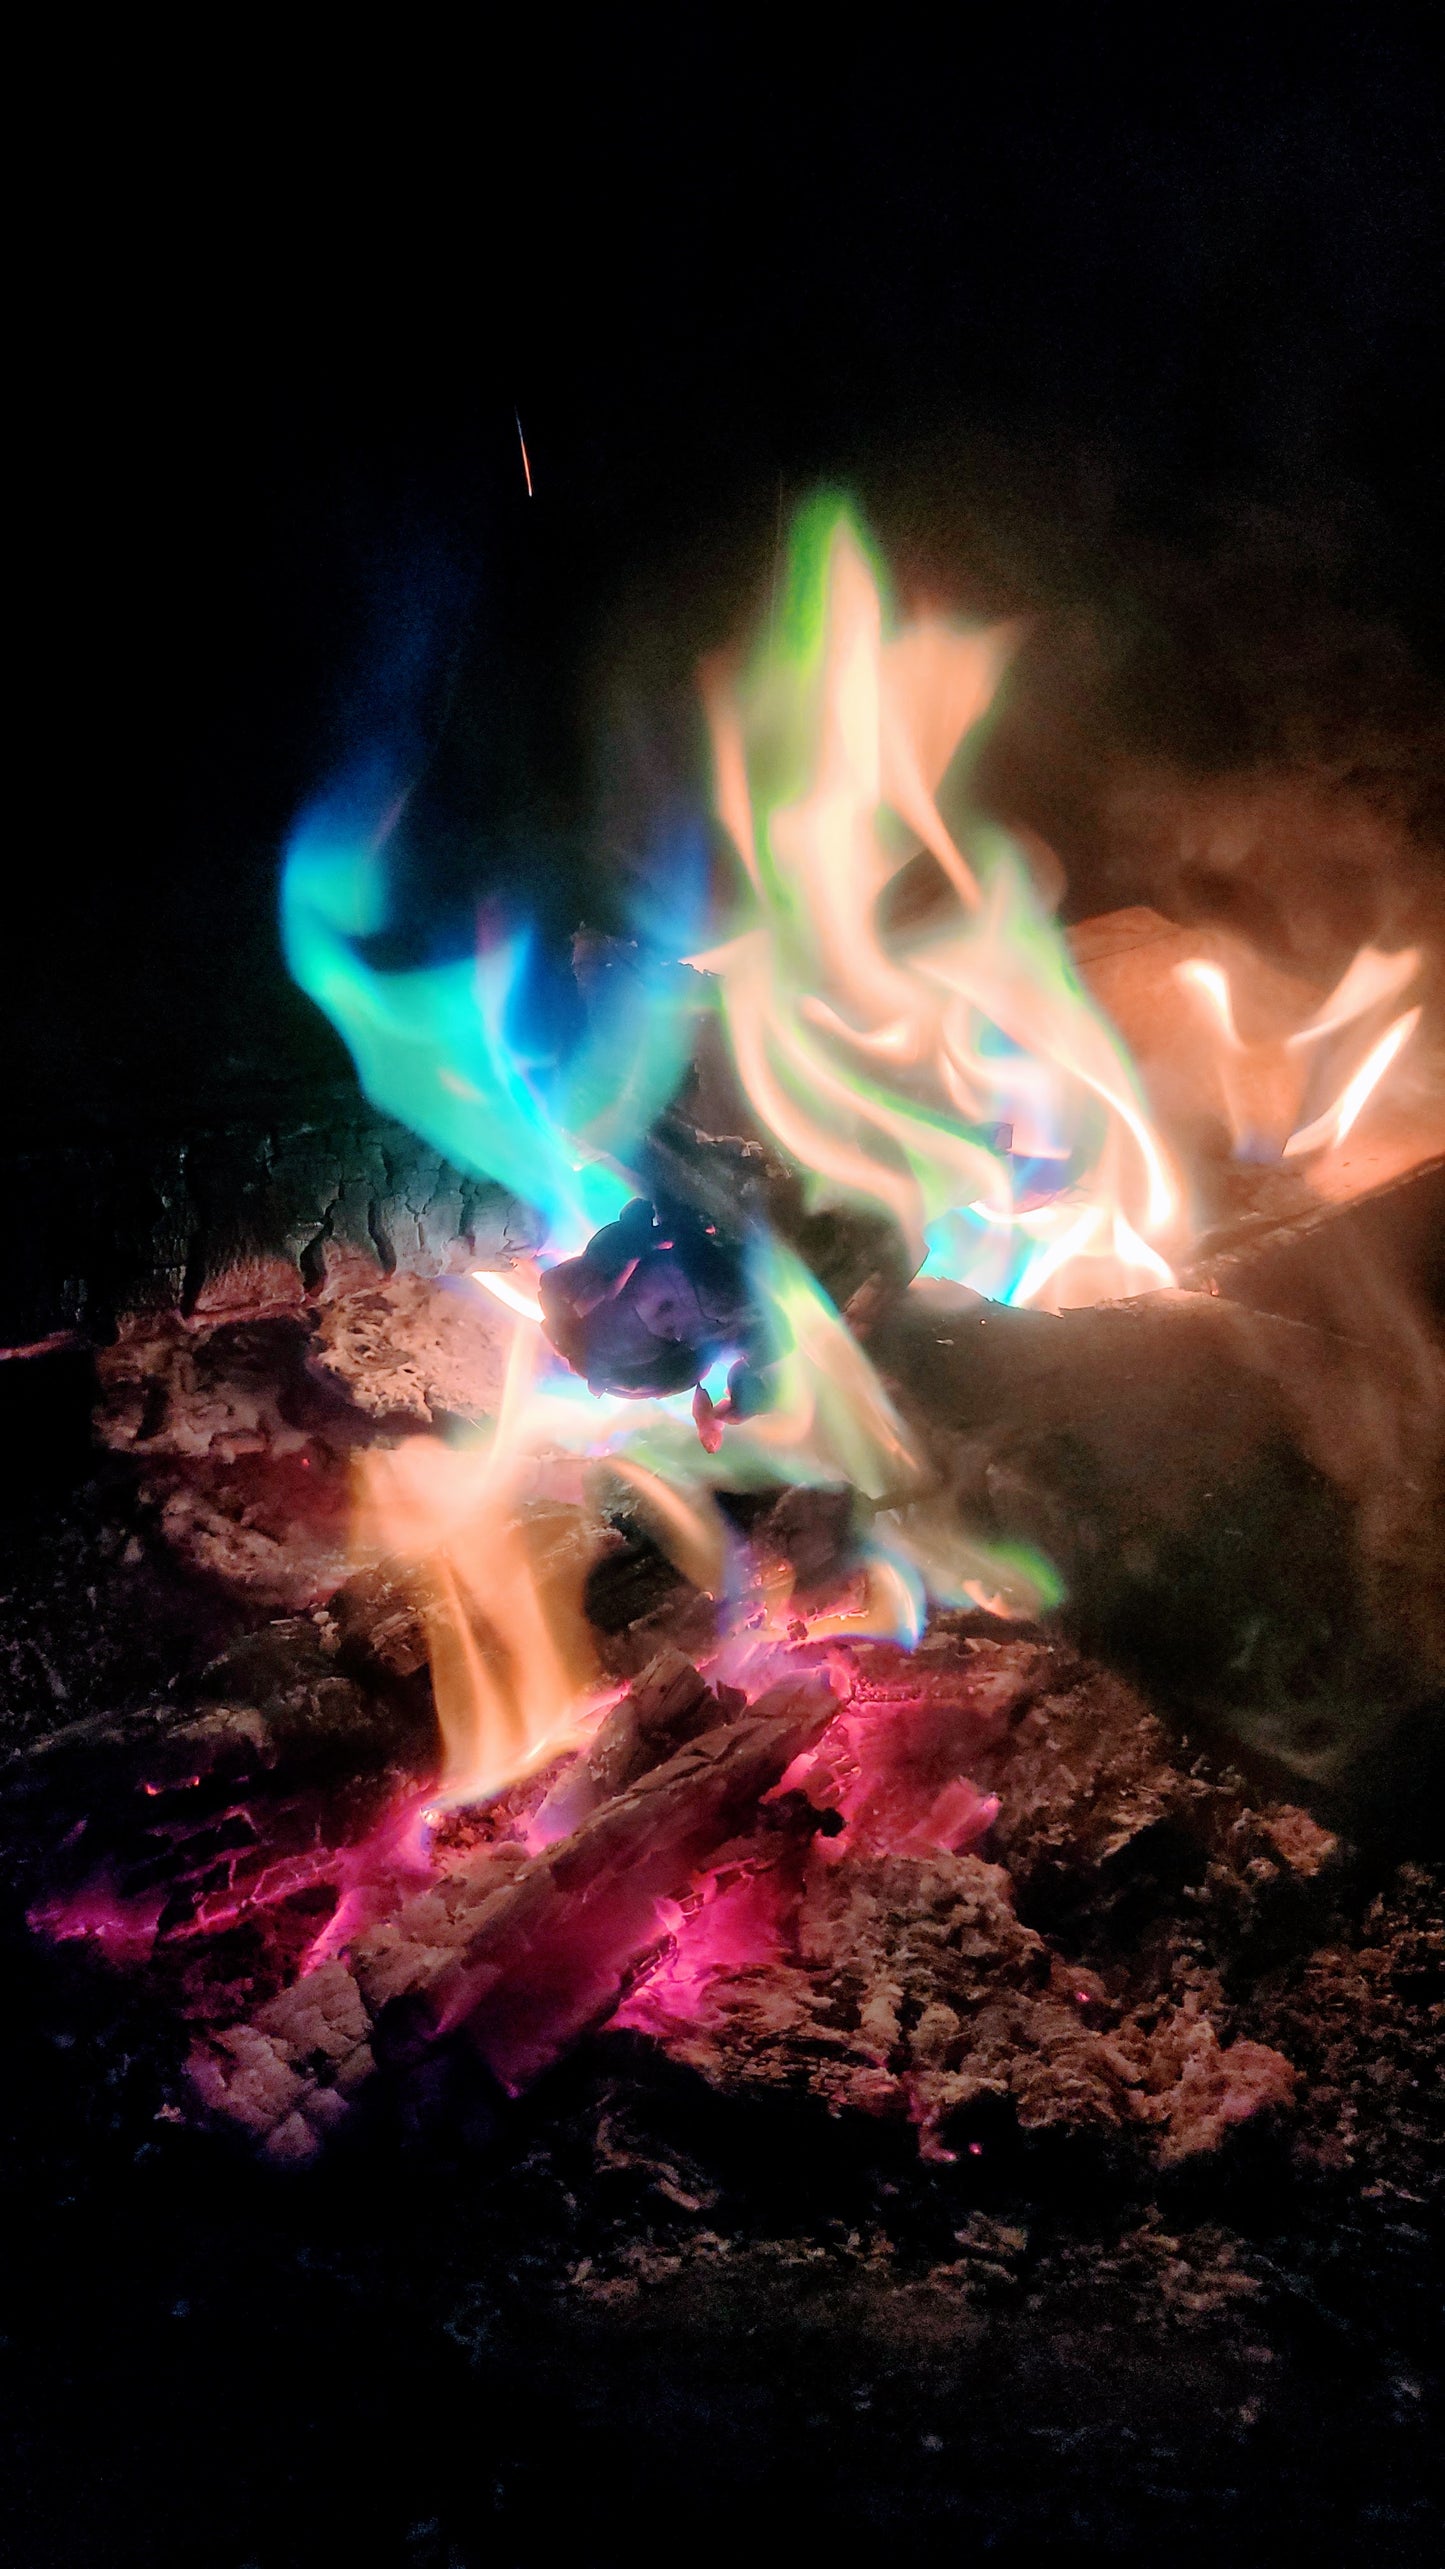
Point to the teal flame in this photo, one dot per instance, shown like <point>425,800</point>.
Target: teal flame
<point>446,1047</point>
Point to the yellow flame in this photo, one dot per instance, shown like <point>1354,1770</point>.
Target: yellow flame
<point>499,1571</point>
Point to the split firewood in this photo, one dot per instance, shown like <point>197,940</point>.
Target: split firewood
<point>669,1704</point>
<point>520,1952</point>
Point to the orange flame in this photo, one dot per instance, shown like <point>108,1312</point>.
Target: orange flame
<point>1255,1077</point>
<point>499,1567</point>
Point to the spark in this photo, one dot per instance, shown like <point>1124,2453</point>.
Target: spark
<point>526,464</point>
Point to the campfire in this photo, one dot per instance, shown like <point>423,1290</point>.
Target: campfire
<point>807,1513</point>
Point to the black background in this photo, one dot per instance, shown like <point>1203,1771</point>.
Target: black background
<point>286,302</point>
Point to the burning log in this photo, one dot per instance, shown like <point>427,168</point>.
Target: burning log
<point>522,1984</point>
<point>1286,1249</point>
<point>669,1705</point>
<point>520,1952</point>
<point>843,1936</point>
<point>1246,1511</point>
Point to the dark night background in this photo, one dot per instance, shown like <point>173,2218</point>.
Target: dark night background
<point>1041,290</point>
<point>1080,277</point>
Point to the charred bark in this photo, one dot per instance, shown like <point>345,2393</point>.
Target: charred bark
<point>235,1220</point>
<point>1248,1513</point>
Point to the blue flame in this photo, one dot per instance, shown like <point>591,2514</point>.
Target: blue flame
<point>460,1050</point>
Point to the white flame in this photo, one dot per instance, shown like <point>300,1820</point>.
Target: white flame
<point>525,1305</point>
<point>1337,1120</point>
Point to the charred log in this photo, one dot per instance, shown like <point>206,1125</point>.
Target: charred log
<point>523,1952</point>
<point>236,1220</point>
<point>1247,1512</point>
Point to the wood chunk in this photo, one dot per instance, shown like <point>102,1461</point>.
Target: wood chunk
<point>522,1952</point>
<point>556,1950</point>
<point>286,2078</point>
<point>379,1623</point>
<point>245,1429</point>
<point>668,1705</point>
<point>239,1221</point>
<point>406,1348</point>
<point>1248,1512</point>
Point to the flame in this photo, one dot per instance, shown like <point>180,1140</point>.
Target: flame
<point>1338,1119</point>
<point>1213,981</point>
<point>498,1535</point>
<point>959,1078</point>
<point>955,1075</point>
<point>1310,1059</point>
<point>460,1050</point>
<point>1372,979</point>
<point>525,1305</point>
<point>499,1574</point>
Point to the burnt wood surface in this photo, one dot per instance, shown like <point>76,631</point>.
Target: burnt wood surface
<point>722,2308</point>
<point>1246,1511</point>
<point>249,1213</point>
<point>225,1215</point>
